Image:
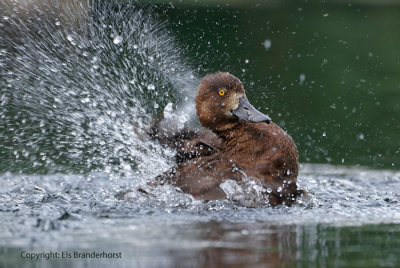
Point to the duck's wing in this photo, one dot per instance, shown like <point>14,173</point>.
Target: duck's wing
<point>205,143</point>
<point>188,143</point>
<point>209,139</point>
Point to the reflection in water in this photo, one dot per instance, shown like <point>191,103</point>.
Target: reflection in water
<point>313,246</point>
<point>244,244</point>
<point>218,244</point>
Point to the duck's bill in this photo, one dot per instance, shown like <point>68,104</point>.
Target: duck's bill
<point>247,112</point>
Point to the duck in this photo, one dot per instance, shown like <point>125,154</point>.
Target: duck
<point>238,142</point>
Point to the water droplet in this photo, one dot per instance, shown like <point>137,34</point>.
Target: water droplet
<point>267,44</point>
<point>168,110</point>
<point>183,118</point>
<point>85,100</point>
<point>71,40</point>
<point>117,40</point>
<point>302,77</point>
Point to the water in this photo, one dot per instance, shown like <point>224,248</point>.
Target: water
<point>80,84</point>
<point>346,208</point>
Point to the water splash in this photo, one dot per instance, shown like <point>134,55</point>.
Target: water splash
<point>81,81</point>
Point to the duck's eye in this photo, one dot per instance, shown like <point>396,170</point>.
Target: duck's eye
<point>221,92</point>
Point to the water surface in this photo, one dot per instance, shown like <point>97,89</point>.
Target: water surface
<point>350,219</point>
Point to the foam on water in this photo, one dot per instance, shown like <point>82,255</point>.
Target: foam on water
<point>80,83</point>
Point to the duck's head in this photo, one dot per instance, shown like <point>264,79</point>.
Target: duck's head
<point>221,103</point>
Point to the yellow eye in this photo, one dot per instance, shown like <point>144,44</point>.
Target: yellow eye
<point>221,92</point>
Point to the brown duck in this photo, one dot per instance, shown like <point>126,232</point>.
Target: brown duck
<point>242,142</point>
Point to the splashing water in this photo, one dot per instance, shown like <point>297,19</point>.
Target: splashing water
<point>81,81</point>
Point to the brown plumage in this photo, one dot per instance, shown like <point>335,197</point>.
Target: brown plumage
<point>242,143</point>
